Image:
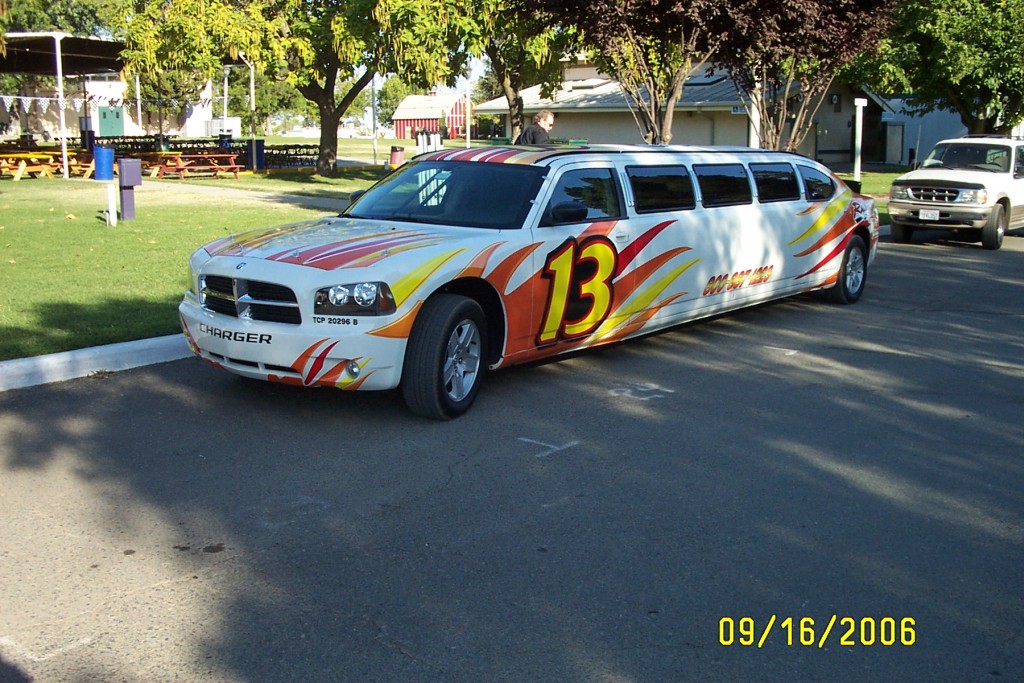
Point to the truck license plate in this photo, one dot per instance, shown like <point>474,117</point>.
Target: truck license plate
<point>929,214</point>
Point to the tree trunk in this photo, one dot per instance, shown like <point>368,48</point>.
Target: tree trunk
<point>330,114</point>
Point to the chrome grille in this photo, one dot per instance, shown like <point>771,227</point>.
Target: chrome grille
<point>250,299</point>
<point>934,194</point>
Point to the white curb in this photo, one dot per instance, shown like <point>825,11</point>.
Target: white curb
<point>57,367</point>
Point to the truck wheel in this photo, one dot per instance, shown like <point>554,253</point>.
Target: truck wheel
<point>992,233</point>
<point>901,234</point>
<point>444,360</point>
<point>853,273</point>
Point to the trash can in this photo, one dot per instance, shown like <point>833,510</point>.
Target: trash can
<point>256,153</point>
<point>104,159</point>
<point>397,157</point>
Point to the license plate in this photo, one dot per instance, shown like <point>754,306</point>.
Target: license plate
<point>929,214</point>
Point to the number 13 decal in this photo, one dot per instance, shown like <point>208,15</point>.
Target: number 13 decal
<point>580,294</point>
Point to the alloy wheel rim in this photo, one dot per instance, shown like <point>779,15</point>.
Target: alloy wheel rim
<point>462,360</point>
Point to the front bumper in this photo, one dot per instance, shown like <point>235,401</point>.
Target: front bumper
<point>950,217</point>
<point>343,357</point>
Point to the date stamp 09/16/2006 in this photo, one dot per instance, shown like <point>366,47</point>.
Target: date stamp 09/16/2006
<point>846,631</point>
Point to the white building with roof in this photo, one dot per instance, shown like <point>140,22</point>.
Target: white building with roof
<point>591,106</point>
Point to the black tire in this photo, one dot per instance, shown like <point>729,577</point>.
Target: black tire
<point>445,357</point>
<point>853,274</point>
<point>901,233</point>
<point>992,233</point>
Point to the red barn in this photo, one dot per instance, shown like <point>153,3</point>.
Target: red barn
<point>423,113</point>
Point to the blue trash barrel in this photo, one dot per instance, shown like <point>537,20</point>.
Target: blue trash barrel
<point>104,158</point>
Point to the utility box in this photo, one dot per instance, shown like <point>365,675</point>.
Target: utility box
<point>129,176</point>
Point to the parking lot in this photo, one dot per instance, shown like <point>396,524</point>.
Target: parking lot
<point>799,491</point>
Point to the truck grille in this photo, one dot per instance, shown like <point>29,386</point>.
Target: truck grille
<point>934,194</point>
<point>250,299</point>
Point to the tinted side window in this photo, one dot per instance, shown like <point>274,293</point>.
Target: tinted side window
<point>661,188</point>
<point>775,182</point>
<point>723,184</point>
<point>595,188</point>
<point>819,186</point>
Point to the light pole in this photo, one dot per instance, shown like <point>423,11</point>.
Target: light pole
<point>252,97</point>
<point>227,69</point>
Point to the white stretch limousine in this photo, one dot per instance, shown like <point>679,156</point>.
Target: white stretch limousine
<point>466,260</point>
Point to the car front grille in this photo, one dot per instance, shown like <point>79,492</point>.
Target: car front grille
<point>250,299</point>
<point>934,194</point>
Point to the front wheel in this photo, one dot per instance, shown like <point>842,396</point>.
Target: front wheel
<point>992,233</point>
<point>444,360</point>
<point>853,274</point>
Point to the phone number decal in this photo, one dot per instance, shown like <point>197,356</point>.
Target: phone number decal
<point>805,631</point>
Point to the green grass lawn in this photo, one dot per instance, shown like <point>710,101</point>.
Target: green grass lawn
<point>68,280</point>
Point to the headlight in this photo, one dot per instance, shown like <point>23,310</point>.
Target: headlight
<point>899,192</point>
<point>361,298</point>
<point>972,197</point>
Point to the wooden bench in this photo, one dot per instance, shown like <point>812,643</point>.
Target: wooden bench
<point>185,165</point>
<point>19,164</point>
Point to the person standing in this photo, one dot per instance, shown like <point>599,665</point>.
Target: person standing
<point>537,132</point>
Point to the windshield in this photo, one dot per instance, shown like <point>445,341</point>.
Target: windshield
<point>972,156</point>
<point>467,194</point>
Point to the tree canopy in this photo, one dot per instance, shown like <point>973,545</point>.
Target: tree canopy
<point>649,46</point>
<point>785,55</point>
<point>328,50</point>
<point>959,55</point>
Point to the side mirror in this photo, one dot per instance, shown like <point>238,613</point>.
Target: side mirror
<point>854,185</point>
<point>568,212</point>
<point>356,195</point>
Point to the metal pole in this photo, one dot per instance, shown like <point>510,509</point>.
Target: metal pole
<point>469,103</point>
<point>373,114</point>
<point>61,104</point>
<point>858,103</point>
<point>225,122</point>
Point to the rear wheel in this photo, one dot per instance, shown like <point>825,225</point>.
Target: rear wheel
<point>901,234</point>
<point>853,274</point>
<point>444,361</point>
<point>992,233</point>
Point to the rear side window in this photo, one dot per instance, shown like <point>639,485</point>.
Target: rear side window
<point>775,182</point>
<point>594,188</point>
<point>723,184</point>
<point>661,188</point>
<point>819,186</point>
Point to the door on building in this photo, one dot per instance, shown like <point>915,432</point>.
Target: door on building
<point>893,143</point>
<point>111,121</point>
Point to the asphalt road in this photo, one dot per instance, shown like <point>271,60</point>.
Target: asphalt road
<point>611,517</point>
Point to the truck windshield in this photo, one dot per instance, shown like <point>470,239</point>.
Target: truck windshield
<point>465,194</point>
<point>971,156</point>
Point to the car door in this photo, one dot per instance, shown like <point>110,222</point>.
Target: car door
<point>579,236</point>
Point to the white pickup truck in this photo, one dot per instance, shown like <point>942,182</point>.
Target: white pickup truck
<point>966,184</point>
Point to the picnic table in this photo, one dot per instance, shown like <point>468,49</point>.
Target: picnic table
<point>20,163</point>
<point>184,165</point>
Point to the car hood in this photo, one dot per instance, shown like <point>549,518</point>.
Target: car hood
<point>946,175</point>
<point>339,242</point>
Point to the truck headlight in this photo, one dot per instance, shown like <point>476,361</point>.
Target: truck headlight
<point>360,298</point>
<point>972,197</point>
<point>899,192</point>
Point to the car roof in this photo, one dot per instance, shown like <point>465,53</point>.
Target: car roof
<point>544,154</point>
<point>985,139</point>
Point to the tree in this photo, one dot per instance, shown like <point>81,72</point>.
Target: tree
<point>314,44</point>
<point>957,55</point>
<point>649,46</point>
<point>785,55</point>
<point>523,47</point>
